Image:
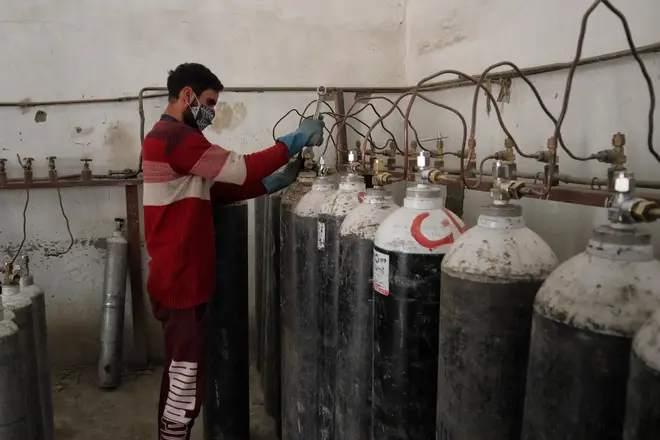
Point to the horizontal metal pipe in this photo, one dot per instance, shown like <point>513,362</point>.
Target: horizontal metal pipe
<point>71,184</point>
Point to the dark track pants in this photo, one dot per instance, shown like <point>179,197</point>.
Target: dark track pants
<point>182,386</point>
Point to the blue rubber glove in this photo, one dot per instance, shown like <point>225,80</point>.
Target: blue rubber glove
<point>308,134</point>
<point>283,178</point>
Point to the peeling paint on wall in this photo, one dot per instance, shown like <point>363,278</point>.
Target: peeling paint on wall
<point>228,116</point>
<point>120,146</point>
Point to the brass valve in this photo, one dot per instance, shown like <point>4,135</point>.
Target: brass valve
<point>27,166</point>
<point>382,179</point>
<point>616,157</point>
<point>391,155</point>
<point>52,172</point>
<point>27,170</point>
<point>378,164</point>
<point>86,173</point>
<point>3,171</point>
<point>11,276</point>
<point>437,177</point>
<point>439,162</point>
<point>509,153</point>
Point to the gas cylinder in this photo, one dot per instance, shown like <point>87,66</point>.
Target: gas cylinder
<point>290,198</point>
<point>302,415</point>
<point>21,306</point>
<point>585,316</point>
<point>355,306</point>
<point>408,250</point>
<point>271,311</point>
<point>227,397</point>
<point>259,215</point>
<point>110,364</point>
<point>350,193</point>
<point>14,414</point>
<point>489,280</point>
<point>643,403</point>
<point>38,298</point>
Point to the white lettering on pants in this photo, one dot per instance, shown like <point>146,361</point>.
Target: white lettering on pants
<point>181,398</point>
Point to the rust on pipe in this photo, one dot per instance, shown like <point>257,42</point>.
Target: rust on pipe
<point>340,109</point>
<point>139,355</point>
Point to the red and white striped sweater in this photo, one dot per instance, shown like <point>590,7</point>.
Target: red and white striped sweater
<point>183,172</point>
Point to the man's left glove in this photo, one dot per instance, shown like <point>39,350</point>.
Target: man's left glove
<point>284,177</point>
<point>308,134</point>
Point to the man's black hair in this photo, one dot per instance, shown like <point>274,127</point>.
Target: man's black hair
<point>195,75</point>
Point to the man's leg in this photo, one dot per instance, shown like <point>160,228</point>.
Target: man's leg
<point>182,386</point>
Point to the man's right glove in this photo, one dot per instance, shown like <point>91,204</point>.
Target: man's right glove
<point>308,134</point>
<point>284,177</point>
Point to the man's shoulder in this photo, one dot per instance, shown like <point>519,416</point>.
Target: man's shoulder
<point>169,134</point>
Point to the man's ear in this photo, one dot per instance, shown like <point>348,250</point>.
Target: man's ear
<point>187,95</point>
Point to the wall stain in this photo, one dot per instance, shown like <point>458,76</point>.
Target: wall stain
<point>40,116</point>
<point>450,34</point>
<point>120,146</point>
<point>81,131</point>
<point>228,116</point>
<point>42,247</point>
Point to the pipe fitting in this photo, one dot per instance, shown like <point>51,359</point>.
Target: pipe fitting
<point>382,179</point>
<point>436,177</point>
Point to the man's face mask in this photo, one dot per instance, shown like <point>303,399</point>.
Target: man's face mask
<point>203,116</point>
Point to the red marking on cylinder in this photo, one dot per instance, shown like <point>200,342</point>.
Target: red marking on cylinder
<point>457,223</point>
<point>361,196</point>
<point>416,231</point>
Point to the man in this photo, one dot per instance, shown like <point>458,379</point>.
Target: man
<point>183,174</point>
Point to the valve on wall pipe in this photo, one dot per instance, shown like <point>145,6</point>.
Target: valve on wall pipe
<point>114,298</point>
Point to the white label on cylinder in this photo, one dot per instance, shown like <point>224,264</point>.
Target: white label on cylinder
<point>381,273</point>
<point>321,236</point>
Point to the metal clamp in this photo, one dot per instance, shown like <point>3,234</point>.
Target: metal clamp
<point>321,91</point>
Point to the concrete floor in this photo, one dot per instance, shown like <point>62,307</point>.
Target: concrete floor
<point>84,412</point>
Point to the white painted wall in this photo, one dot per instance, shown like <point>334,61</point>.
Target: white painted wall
<point>470,35</point>
<point>91,49</point>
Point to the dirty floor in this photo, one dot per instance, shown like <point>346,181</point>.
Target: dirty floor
<point>84,412</point>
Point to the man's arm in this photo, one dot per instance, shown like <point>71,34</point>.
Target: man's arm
<point>196,155</point>
<point>226,193</point>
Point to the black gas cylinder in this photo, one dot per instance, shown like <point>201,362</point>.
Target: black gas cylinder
<point>489,280</point>
<point>585,316</point>
<point>408,251</point>
<point>271,281</point>
<point>353,389</point>
<point>643,403</point>
<point>303,416</point>
<point>227,398</point>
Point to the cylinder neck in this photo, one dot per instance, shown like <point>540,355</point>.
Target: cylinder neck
<point>377,196</point>
<point>306,176</point>
<point>323,183</point>
<point>10,290</point>
<point>423,196</point>
<point>498,216</point>
<point>352,183</point>
<point>621,244</point>
<point>27,280</point>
